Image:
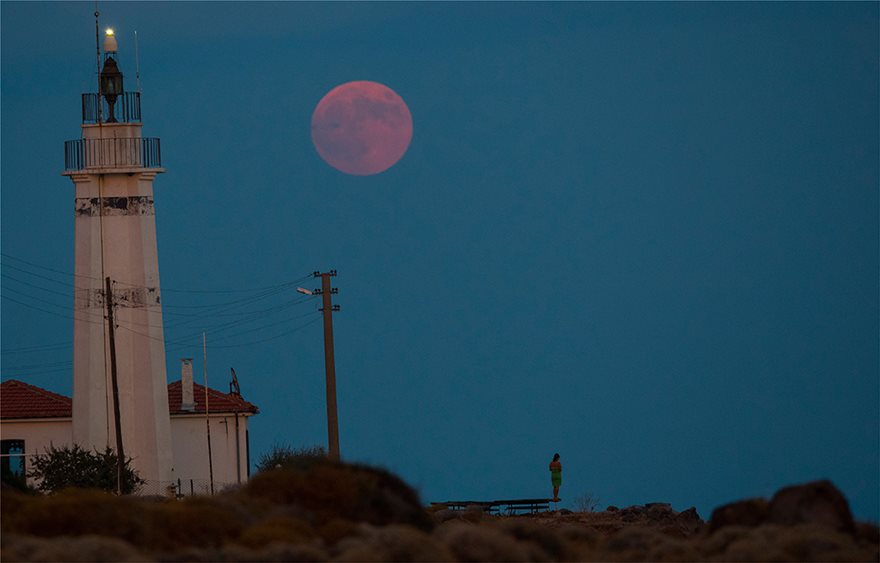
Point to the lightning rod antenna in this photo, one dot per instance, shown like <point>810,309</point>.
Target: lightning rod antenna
<point>137,64</point>
<point>98,54</point>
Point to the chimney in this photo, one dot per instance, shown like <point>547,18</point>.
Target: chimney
<point>186,385</point>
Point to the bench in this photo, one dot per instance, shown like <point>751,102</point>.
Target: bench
<point>509,507</point>
<point>529,505</point>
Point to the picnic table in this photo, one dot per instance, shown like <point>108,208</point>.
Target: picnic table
<point>508,506</point>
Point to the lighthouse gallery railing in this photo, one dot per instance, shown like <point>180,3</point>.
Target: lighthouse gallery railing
<point>127,108</point>
<point>136,152</point>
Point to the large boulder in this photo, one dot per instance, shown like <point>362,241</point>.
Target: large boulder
<point>689,522</point>
<point>323,491</point>
<point>658,511</point>
<point>749,512</point>
<point>818,502</point>
<point>689,515</point>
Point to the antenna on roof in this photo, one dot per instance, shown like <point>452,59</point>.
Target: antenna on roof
<point>98,58</point>
<point>234,389</point>
<point>137,65</point>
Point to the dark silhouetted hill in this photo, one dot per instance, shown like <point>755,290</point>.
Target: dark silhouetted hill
<point>324,511</point>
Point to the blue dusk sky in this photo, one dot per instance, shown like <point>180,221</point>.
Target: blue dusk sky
<point>642,235</point>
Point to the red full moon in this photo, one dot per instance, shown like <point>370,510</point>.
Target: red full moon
<point>361,127</point>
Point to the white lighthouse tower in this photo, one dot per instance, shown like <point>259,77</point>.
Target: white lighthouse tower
<point>112,167</point>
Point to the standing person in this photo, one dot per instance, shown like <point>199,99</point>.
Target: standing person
<point>556,476</point>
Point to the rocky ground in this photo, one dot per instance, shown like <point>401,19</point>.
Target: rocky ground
<point>332,512</point>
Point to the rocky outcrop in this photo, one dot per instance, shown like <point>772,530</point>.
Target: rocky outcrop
<point>338,512</point>
<point>750,512</point>
<point>818,502</point>
<point>658,515</point>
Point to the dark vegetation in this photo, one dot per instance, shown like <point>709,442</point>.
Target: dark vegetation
<point>282,456</point>
<point>318,510</point>
<point>586,502</point>
<point>65,467</point>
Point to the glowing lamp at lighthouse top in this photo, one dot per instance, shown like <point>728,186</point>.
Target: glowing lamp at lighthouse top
<point>110,45</point>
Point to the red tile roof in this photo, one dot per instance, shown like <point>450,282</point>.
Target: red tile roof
<point>21,400</point>
<point>217,401</point>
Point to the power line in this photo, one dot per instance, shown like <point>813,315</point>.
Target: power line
<point>237,334</point>
<point>164,289</point>
<point>276,337</point>
<point>60,366</point>
<point>47,290</point>
<point>47,311</point>
<point>249,316</point>
<point>238,310</point>
<point>35,298</point>
<point>39,372</point>
<point>36,348</point>
<point>234,304</point>
<point>210,310</point>
<point>182,344</point>
<point>36,366</point>
<point>204,315</point>
<point>41,276</point>
<point>226,305</point>
<point>283,285</point>
<point>45,268</point>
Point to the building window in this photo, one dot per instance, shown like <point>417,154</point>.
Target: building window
<point>12,461</point>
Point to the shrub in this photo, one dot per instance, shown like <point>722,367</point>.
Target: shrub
<point>541,541</point>
<point>76,512</point>
<point>328,490</point>
<point>335,529</point>
<point>393,543</point>
<point>284,529</point>
<point>193,522</point>
<point>481,543</point>
<point>64,467</point>
<point>91,548</point>
<point>286,457</point>
<point>587,502</point>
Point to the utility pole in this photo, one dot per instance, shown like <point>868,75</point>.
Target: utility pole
<point>326,293</point>
<point>234,389</point>
<point>111,331</point>
<point>207,412</point>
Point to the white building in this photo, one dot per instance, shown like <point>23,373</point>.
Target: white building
<point>32,419</point>
<point>119,378</point>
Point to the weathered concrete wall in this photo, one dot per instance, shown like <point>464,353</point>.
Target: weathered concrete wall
<point>189,435</point>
